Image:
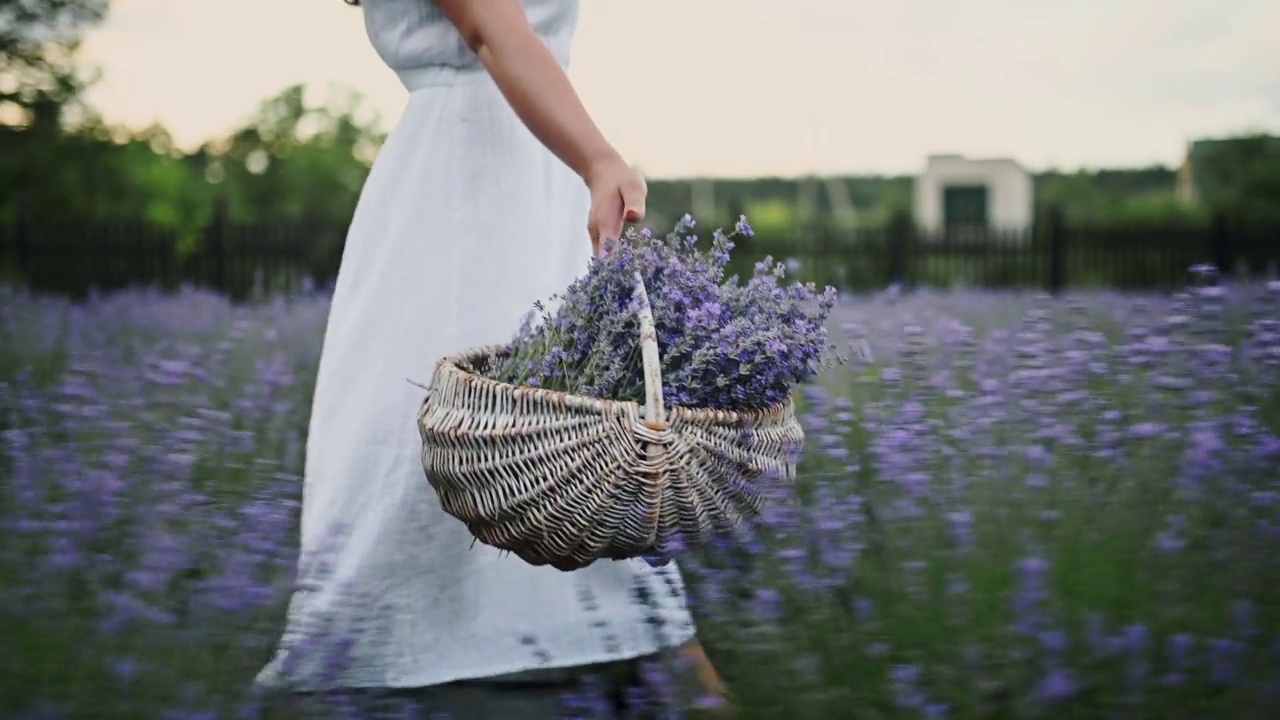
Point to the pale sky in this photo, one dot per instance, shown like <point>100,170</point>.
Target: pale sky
<point>762,87</point>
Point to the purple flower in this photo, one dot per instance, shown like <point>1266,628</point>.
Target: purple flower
<point>151,473</point>
<point>722,343</point>
<point>1056,686</point>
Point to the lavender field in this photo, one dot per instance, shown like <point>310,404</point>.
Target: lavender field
<point>1010,507</point>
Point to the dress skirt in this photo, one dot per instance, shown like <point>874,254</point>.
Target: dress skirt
<point>464,222</point>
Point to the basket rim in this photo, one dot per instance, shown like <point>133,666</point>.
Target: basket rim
<point>451,363</point>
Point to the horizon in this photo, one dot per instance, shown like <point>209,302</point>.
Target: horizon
<point>1038,85</point>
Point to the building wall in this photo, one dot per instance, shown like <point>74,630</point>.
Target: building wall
<point>1010,191</point>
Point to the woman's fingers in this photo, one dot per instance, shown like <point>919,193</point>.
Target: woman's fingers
<point>633,200</point>
<point>613,219</point>
<point>606,224</point>
<point>593,230</point>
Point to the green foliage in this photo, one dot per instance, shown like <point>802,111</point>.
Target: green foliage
<point>292,162</point>
<point>297,161</point>
<point>1239,176</point>
<point>38,41</point>
<point>1145,195</point>
<point>771,217</point>
<point>883,199</point>
<point>1155,208</point>
<point>40,80</point>
<point>771,202</point>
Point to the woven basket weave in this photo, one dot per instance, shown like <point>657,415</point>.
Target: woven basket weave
<point>565,480</point>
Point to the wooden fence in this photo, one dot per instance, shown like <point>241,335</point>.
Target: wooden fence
<point>245,260</point>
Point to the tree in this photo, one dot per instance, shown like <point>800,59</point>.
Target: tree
<point>1240,177</point>
<point>297,159</point>
<point>39,75</point>
<point>39,80</point>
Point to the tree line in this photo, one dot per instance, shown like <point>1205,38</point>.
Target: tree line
<point>302,156</point>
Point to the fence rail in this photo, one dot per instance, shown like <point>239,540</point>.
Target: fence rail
<point>242,260</point>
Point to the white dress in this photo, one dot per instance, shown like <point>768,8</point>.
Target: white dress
<point>464,222</point>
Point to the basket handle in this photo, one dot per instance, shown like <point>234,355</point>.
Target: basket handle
<point>654,412</point>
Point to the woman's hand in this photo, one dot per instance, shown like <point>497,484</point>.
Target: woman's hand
<point>618,194</point>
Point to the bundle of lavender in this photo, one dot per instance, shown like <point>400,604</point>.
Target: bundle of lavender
<point>724,344</point>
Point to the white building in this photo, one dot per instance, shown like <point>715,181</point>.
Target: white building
<point>954,191</point>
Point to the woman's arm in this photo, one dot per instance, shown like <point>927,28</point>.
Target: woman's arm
<point>532,81</point>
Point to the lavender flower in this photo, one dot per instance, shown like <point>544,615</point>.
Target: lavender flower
<point>723,344</point>
<point>1020,507</point>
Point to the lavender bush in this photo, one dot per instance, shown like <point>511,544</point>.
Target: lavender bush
<point>1018,507</point>
<point>723,344</point>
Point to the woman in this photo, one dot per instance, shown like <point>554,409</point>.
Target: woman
<point>473,211</point>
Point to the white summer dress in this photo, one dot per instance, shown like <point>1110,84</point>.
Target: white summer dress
<point>464,222</point>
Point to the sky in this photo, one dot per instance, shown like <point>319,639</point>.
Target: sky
<point>744,88</point>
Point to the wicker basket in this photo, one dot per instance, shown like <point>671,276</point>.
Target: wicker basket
<point>565,480</point>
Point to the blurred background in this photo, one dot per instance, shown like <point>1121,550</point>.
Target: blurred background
<point>981,145</point>
<point>1044,485</point>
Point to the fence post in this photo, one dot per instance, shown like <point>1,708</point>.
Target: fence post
<point>1220,237</point>
<point>899,238</point>
<point>1057,244</point>
<point>217,245</point>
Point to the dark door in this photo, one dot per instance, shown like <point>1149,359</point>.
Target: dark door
<point>964,205</point>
